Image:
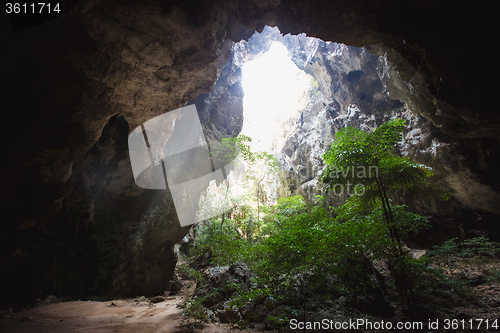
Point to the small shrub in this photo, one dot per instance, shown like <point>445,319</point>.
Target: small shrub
<point>480,246</point>
<point>191,272</point>
<point>493,276</point>
<point>193,309</point>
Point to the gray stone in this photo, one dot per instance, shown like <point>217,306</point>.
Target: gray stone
<point>157,299</point>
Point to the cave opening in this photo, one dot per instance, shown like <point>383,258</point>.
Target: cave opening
<point>274,94</point>
<point>274,90</point>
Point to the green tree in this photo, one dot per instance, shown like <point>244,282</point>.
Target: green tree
<point>259,164</point>
<point>368,167</point>
<point>226,152</point>
<point>292,248</point>
<point>263,165</point>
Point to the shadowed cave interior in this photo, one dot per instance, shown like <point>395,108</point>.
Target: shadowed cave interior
<point>76,225</point>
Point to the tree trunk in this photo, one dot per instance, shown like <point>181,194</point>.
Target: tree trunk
<point>403,285</point>
<point>222,222</point>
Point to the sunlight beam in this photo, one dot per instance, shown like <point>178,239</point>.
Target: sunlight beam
<point>275,91</point>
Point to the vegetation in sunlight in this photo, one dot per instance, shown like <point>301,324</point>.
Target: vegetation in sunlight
<point>300,252</point>
<point>258,165</point>
<point>352,153</point>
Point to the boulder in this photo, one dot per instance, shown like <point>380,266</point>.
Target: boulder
<point>157,299</point>
<point>236,275</point>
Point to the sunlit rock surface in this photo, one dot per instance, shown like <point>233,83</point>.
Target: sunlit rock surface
<point>357,88</point>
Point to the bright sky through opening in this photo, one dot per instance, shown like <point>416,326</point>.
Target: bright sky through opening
<point>275,90</point>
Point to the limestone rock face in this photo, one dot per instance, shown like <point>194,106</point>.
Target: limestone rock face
<point>76,86</point>
<point>357,88</point>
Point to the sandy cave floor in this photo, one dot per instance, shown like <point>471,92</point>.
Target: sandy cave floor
<point>124,315</point>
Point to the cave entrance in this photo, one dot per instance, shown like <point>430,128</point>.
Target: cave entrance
<point>275,93</point>
<point>275,90</point>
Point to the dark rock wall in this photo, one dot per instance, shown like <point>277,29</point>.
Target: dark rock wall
<point>91,77</point>
<point>76,224</point>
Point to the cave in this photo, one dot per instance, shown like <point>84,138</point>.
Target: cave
<point>77,226</point>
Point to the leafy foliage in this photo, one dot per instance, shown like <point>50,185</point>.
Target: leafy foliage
<point>190,272</point>
<point>370,161</point>
<point>221,199</point>
<point>300,246</point>
<point>449,256</point>
<point>209,239</point>
<point>479,246</point>
<point>193,309</point>
<point>229,148</point>
<point>494,276</point>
